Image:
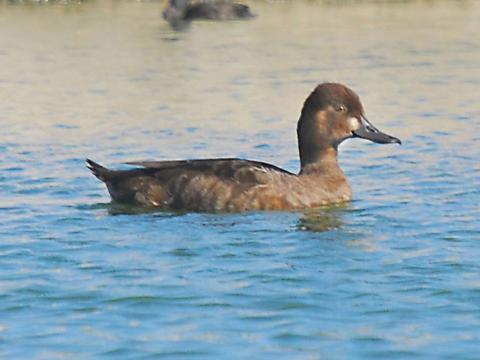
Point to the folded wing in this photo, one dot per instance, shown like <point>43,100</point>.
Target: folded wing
<point>238,170</point>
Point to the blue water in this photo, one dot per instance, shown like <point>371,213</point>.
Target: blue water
<point>394,274</point>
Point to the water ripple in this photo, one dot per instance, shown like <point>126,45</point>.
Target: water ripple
<point>394,274</point>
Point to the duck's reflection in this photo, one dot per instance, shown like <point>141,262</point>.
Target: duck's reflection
<point>179,25</point>
<point>314,220</point>
<point>323,219</point>
<point>114,208</point>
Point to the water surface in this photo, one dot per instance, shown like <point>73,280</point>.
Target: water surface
<point>394,274</point>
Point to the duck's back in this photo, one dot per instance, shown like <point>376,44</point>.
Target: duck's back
<point>200,185</point>
<point>217,11</point>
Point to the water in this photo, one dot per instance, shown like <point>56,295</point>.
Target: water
<point>394,274</point>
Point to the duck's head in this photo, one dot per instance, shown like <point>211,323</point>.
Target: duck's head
<point>175,9</point>
<point>331,114</point>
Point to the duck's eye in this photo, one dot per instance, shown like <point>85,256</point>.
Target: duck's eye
<point>341,108</point>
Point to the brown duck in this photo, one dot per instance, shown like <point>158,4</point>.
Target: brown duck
<point>331,114</point>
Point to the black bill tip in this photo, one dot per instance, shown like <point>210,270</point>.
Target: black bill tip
<point>369,132</point>
<point>397,141</point>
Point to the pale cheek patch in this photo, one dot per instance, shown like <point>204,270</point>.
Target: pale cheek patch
<point>321,119</point>
<point>354,123</point>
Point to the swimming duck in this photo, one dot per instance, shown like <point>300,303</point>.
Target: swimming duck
<point>331,114</point>
<point>185,10</point>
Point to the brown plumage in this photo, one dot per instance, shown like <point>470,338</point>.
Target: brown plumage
<point>331,114</point>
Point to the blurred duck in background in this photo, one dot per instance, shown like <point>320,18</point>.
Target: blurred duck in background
<point>178,11</point>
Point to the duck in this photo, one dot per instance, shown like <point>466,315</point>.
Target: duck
<point>331,114</point>
<point>185,10</point>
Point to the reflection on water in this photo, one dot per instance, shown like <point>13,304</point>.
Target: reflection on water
<point>393,274</point>
<point>114,208</point>
<point>315,220</point>
<point>324,219</point>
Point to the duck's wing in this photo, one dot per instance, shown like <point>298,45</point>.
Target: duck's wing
<point>202,11</point>
<point>219,10</point>
<point>228,168</point>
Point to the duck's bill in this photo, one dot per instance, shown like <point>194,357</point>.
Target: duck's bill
<point>370,132</point>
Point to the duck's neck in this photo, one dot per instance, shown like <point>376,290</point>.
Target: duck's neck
<point>325,181</point>
<point>320,161</point>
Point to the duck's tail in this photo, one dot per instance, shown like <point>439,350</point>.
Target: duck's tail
<point>99,171</point>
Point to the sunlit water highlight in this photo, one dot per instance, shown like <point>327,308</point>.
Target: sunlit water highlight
<point>394,274</point>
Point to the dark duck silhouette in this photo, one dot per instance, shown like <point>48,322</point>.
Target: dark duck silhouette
<point>184,10</point>
<point>331,114</point>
